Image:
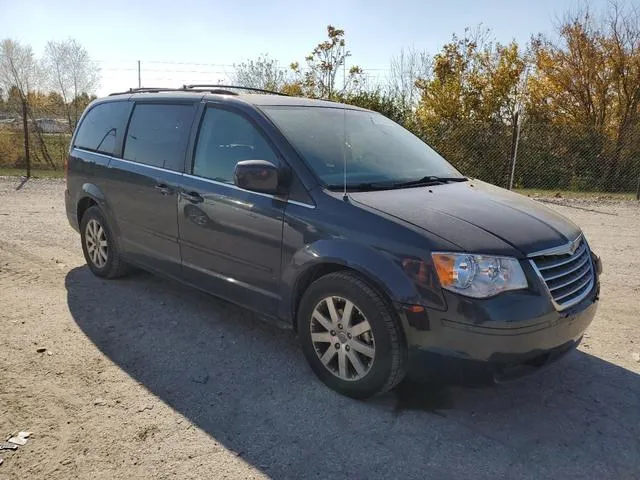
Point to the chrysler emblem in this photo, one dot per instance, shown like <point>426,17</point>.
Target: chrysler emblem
<point>574,246</point>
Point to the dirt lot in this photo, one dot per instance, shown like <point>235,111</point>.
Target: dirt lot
<point>144,378</point>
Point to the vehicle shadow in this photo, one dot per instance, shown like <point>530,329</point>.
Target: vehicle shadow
<point>246,384</point>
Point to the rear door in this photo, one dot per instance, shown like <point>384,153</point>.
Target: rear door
<point>231,238</point>
<point>98,137</point>
<point>143,183</point>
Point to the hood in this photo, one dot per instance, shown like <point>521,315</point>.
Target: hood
<point>476,216</point>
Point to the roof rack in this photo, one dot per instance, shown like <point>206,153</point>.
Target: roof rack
<point>236,87</point>
<point>146,90</point>
<point>211,88</point>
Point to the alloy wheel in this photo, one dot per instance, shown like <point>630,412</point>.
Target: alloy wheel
<point>96,242</point>
<point>342,338</point>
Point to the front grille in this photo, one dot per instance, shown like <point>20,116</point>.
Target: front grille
<point>568,276</point>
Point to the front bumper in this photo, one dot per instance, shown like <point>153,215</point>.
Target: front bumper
<point>486,341</point>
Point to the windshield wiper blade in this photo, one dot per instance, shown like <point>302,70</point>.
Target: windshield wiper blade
<point>368,186</point>
<point>363,187</point>
<point>429,180</point>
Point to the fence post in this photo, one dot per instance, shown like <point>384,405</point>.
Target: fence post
<point>638,188</point>
<point>514,146</point>
<point>25,126</point>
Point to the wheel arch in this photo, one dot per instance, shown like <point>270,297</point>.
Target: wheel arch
<point>328,256</point>
<point>92,195</point>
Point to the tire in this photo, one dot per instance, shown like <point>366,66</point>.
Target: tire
<point>381,372</point>
<point>93,225</point>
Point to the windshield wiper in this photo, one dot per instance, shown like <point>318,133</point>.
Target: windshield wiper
<point>369,186</point>
<point>430,180</point>
<point>363,187</point>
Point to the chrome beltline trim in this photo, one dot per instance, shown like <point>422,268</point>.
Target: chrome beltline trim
<point>215,182</point>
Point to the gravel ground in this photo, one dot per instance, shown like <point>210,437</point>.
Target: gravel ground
<point>145,378</point>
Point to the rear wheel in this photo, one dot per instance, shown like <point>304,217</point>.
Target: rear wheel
<point>100,251</point>
<point>350,336</point>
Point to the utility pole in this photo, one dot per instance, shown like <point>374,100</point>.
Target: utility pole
<point>139,81</point>
<point>515,139</point>
<point>25,126</point>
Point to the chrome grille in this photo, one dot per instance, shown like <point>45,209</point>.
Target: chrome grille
<point>568,276</point>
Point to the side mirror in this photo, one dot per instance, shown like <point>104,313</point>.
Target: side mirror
<point>257,175</point>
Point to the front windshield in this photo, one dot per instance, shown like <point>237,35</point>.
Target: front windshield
<point>376,149</point>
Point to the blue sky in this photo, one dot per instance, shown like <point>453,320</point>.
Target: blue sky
<point>198,41</point>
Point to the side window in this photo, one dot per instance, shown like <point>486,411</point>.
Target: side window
<point>226,138</point>
<point>158,134</point>
<point>99,128</point>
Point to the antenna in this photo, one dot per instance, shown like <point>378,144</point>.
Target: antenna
<point>345,197</point>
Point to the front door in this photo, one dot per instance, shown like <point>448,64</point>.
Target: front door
<point>143,185</point>
<point>230,237</point>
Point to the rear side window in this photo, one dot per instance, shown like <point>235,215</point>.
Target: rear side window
<point>225,139</point>
<point>99,128</point>
<point>158,135</point>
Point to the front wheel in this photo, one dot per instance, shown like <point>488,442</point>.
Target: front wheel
<point>350,336</point>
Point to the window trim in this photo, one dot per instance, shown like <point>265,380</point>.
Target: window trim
<point>218,106</point>
<point>119,141</point>
<point>162,102</point>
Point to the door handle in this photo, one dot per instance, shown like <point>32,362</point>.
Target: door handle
<point>163,188</point>
<point>193,197</point>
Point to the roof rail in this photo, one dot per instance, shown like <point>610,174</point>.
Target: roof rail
<point>237,87</point>
<point>147,90</point>
<point>211,88</point>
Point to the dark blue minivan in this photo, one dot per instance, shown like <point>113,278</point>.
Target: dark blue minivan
<point>382,257</point>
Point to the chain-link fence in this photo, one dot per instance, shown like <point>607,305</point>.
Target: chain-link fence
<point>541,156</point>
<point>48,143</point>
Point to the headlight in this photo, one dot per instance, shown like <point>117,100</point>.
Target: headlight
<point>478,276</point>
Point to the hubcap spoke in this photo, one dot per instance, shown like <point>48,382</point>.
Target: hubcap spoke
<point>355,361</point>
<point>360,328</point>
<point>324,337</point>
<point>342,363</point>
<point>364,349</point>
<point>335,319</point>
<point>346,314</point>
<point>322,320</point>
<point>328,355</point>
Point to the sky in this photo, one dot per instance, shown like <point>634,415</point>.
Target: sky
<point>199,41</point>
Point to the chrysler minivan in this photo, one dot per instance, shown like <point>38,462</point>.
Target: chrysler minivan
<point>382,257</point>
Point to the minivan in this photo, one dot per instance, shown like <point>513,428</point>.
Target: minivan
<point>382,257</point>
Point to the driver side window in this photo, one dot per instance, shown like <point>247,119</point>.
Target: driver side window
<point>226,138</point>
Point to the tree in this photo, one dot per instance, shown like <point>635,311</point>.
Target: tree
<point>469,102</point>
<point>81,102</point>
<point>406,69</point>
<point>319,78</point>
<point>378,101</point>
<point>264,73</point>
<point>19,74</point>
<point>70,72</point>
<point>588,83</point>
